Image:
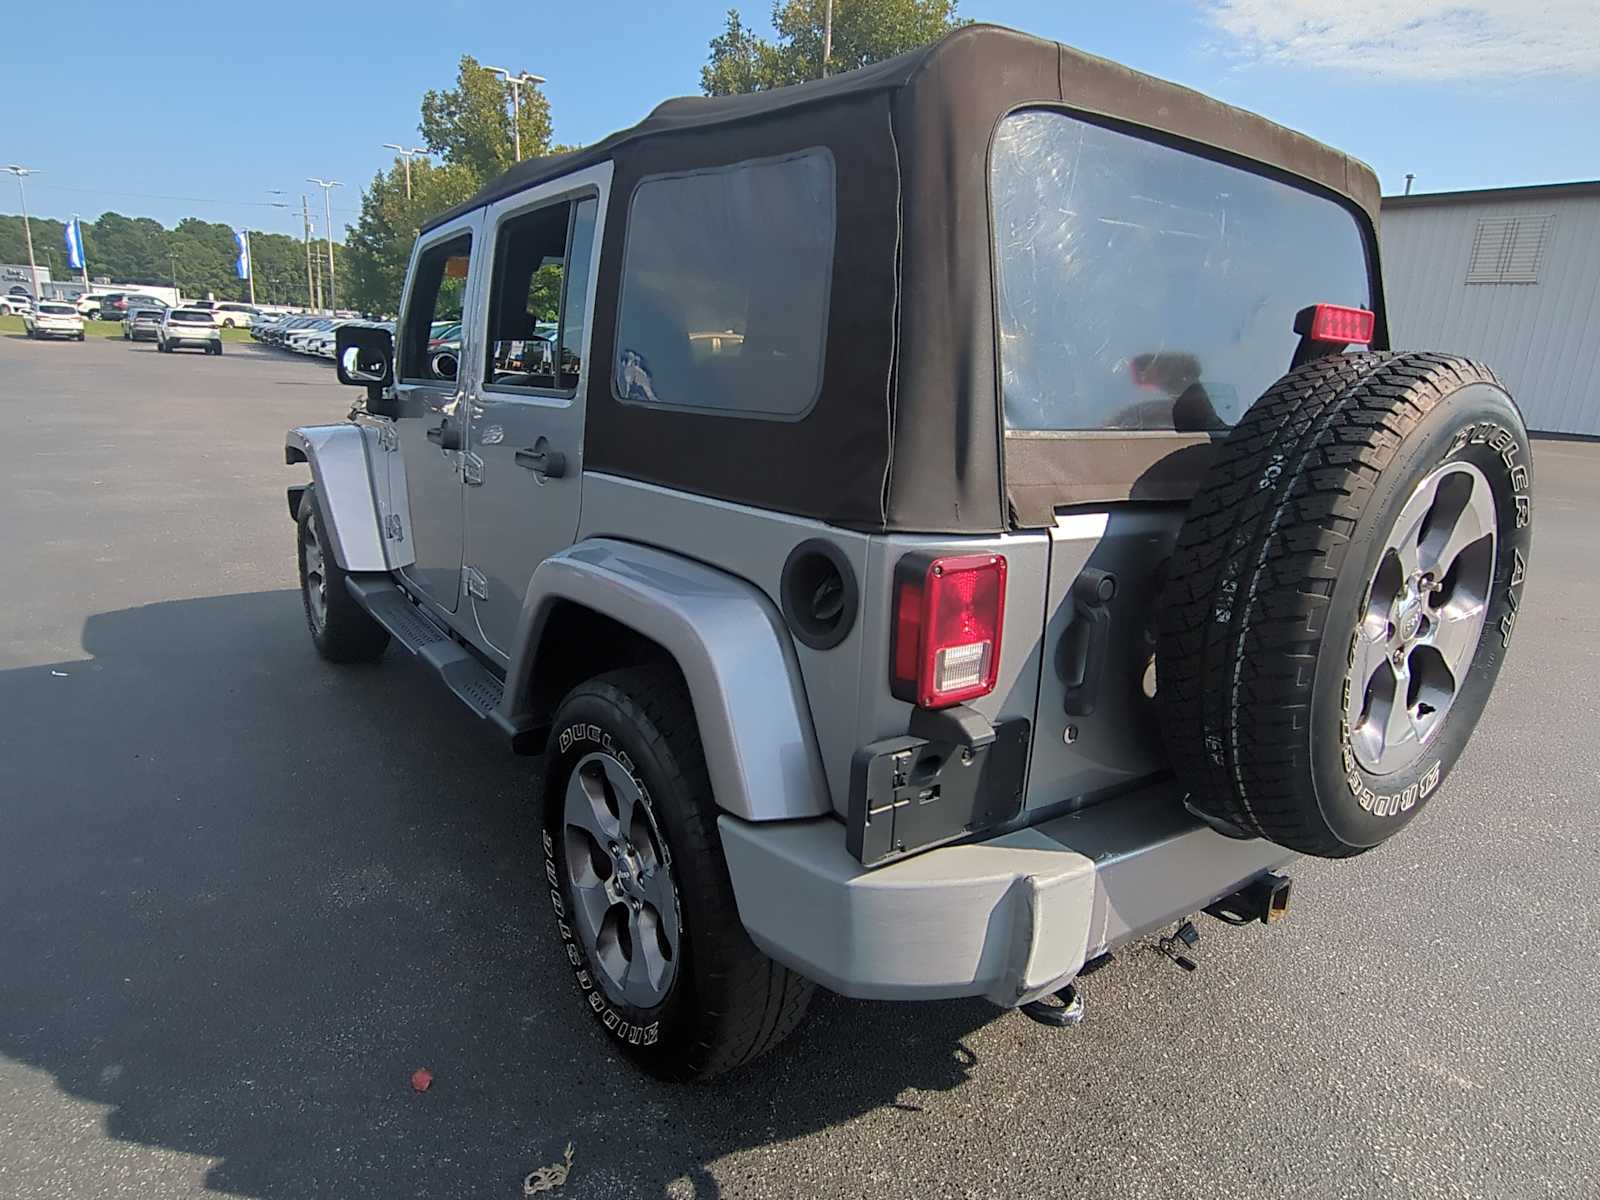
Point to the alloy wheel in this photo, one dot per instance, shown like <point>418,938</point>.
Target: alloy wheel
<point>316,581</point>
<point>1424,612</point>
<point>625,905</point>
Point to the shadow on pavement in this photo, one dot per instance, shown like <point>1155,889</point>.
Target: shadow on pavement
<point>247,894</point>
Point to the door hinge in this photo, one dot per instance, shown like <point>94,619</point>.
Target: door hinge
<point>474,581</point>
<point>472,470</point>
<point>392,529</point>
<point>388,439</point>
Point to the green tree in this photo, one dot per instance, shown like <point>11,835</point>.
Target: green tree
<point>864,31</point>
<point>47,237</point>
<point>470,125</point>
<point>379,246</point>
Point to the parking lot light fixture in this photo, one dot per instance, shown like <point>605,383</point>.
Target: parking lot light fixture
<point>407,153</point>
<point>327,186</point>
<point>517,82</point>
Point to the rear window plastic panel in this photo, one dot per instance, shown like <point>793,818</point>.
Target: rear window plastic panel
<point>1142,286</point>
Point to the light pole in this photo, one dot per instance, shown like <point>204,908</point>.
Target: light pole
<point>827,38</point>
<point>177,296</point>
<point>327,186</point>
<point>27,230</point>
<point>408,154</point>
<point>517,82</point>
<point>305,233</point>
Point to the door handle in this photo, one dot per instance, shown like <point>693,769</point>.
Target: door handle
<point>446,435</point>
<point>552,464</point>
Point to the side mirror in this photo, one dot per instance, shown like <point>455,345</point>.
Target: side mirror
<point>364,355</point>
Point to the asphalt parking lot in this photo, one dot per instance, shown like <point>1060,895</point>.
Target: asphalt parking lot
<point>243,895</point>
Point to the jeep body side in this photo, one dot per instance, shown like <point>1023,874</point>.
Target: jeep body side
<point>735,393</point>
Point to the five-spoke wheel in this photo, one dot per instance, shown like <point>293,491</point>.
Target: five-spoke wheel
<point>1423,616</point>
<point>626,907</point>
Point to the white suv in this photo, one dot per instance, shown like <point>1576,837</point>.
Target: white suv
<point>231,315</point>
<point>53,319</point>
<point>188,327</point>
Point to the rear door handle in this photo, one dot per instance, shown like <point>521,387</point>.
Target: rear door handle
<point>541,460</point>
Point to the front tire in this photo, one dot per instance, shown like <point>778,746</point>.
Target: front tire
<point>341,629</point>
<point>643,903</point>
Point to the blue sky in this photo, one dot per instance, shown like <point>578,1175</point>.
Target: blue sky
<point>211,112</point>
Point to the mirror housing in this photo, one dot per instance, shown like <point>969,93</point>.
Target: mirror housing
<point>364,357</point>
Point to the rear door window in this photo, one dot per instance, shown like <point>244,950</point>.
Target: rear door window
<point>536,307</point>
<point>1144,287</point>
<point>725,280</point>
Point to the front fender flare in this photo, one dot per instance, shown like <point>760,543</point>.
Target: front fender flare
<point>337,455</point>
<point>733,649</point>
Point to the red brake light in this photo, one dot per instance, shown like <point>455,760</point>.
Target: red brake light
<point>1340,325</point>
<point>947,625</point>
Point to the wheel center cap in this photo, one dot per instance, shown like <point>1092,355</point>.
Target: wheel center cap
<point>1410,619</point>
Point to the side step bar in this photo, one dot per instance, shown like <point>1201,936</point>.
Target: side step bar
<point>468,679</point>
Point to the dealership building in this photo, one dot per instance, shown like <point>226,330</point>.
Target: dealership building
<point>1508,276</point>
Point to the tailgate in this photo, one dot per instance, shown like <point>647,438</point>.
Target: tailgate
<point>1095,728</point>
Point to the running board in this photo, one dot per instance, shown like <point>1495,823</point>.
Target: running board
<point>468,679</point>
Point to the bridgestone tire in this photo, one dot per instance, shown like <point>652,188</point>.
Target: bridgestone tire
<point>342,631</point>
<point>727,1003</point>
<point>1277,565</point>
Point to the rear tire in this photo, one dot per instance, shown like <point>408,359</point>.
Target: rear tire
<point>624,768</point>
<point>341,629</point>
<point>1342,597</point>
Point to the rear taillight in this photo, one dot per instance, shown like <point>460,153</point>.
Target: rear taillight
<point>947,624</point>
<point>1338,325</point>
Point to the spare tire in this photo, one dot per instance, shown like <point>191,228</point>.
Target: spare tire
<point>1341,597</point>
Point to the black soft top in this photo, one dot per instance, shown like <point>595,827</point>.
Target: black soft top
<point>907,434</point>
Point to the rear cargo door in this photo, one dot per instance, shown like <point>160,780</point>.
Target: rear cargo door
<point>1095,729</point>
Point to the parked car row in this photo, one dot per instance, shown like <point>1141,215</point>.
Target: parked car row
<point>304,333</point>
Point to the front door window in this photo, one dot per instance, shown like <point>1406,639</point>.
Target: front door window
<point>430,350</point>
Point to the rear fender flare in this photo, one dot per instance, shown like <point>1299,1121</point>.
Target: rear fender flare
<point>338,457</point>
<point>733,650</point>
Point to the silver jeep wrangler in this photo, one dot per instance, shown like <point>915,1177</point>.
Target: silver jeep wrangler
<point>937,523</point>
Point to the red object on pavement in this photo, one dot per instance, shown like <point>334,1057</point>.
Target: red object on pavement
<point>421,1079</point>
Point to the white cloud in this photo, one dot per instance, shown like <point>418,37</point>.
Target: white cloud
<point>1418,39</point>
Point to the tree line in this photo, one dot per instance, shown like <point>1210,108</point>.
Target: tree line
<point>468,131</point>
<point>199,253</point>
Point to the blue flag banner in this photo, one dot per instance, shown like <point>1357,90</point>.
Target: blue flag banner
<point>242,264</point>
<point>75,244</point>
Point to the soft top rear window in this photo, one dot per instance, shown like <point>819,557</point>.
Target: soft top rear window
<point>1145,287</point>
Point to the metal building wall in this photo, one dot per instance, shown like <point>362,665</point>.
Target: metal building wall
<point>1543,339</point>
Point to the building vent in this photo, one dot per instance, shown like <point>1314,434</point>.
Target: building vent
<point>1509,249</point>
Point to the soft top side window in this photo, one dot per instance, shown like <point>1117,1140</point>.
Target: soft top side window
<point>725,286</point>
<point>431,346</point>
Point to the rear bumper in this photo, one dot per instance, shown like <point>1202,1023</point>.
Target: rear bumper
<point>1011,919</point>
